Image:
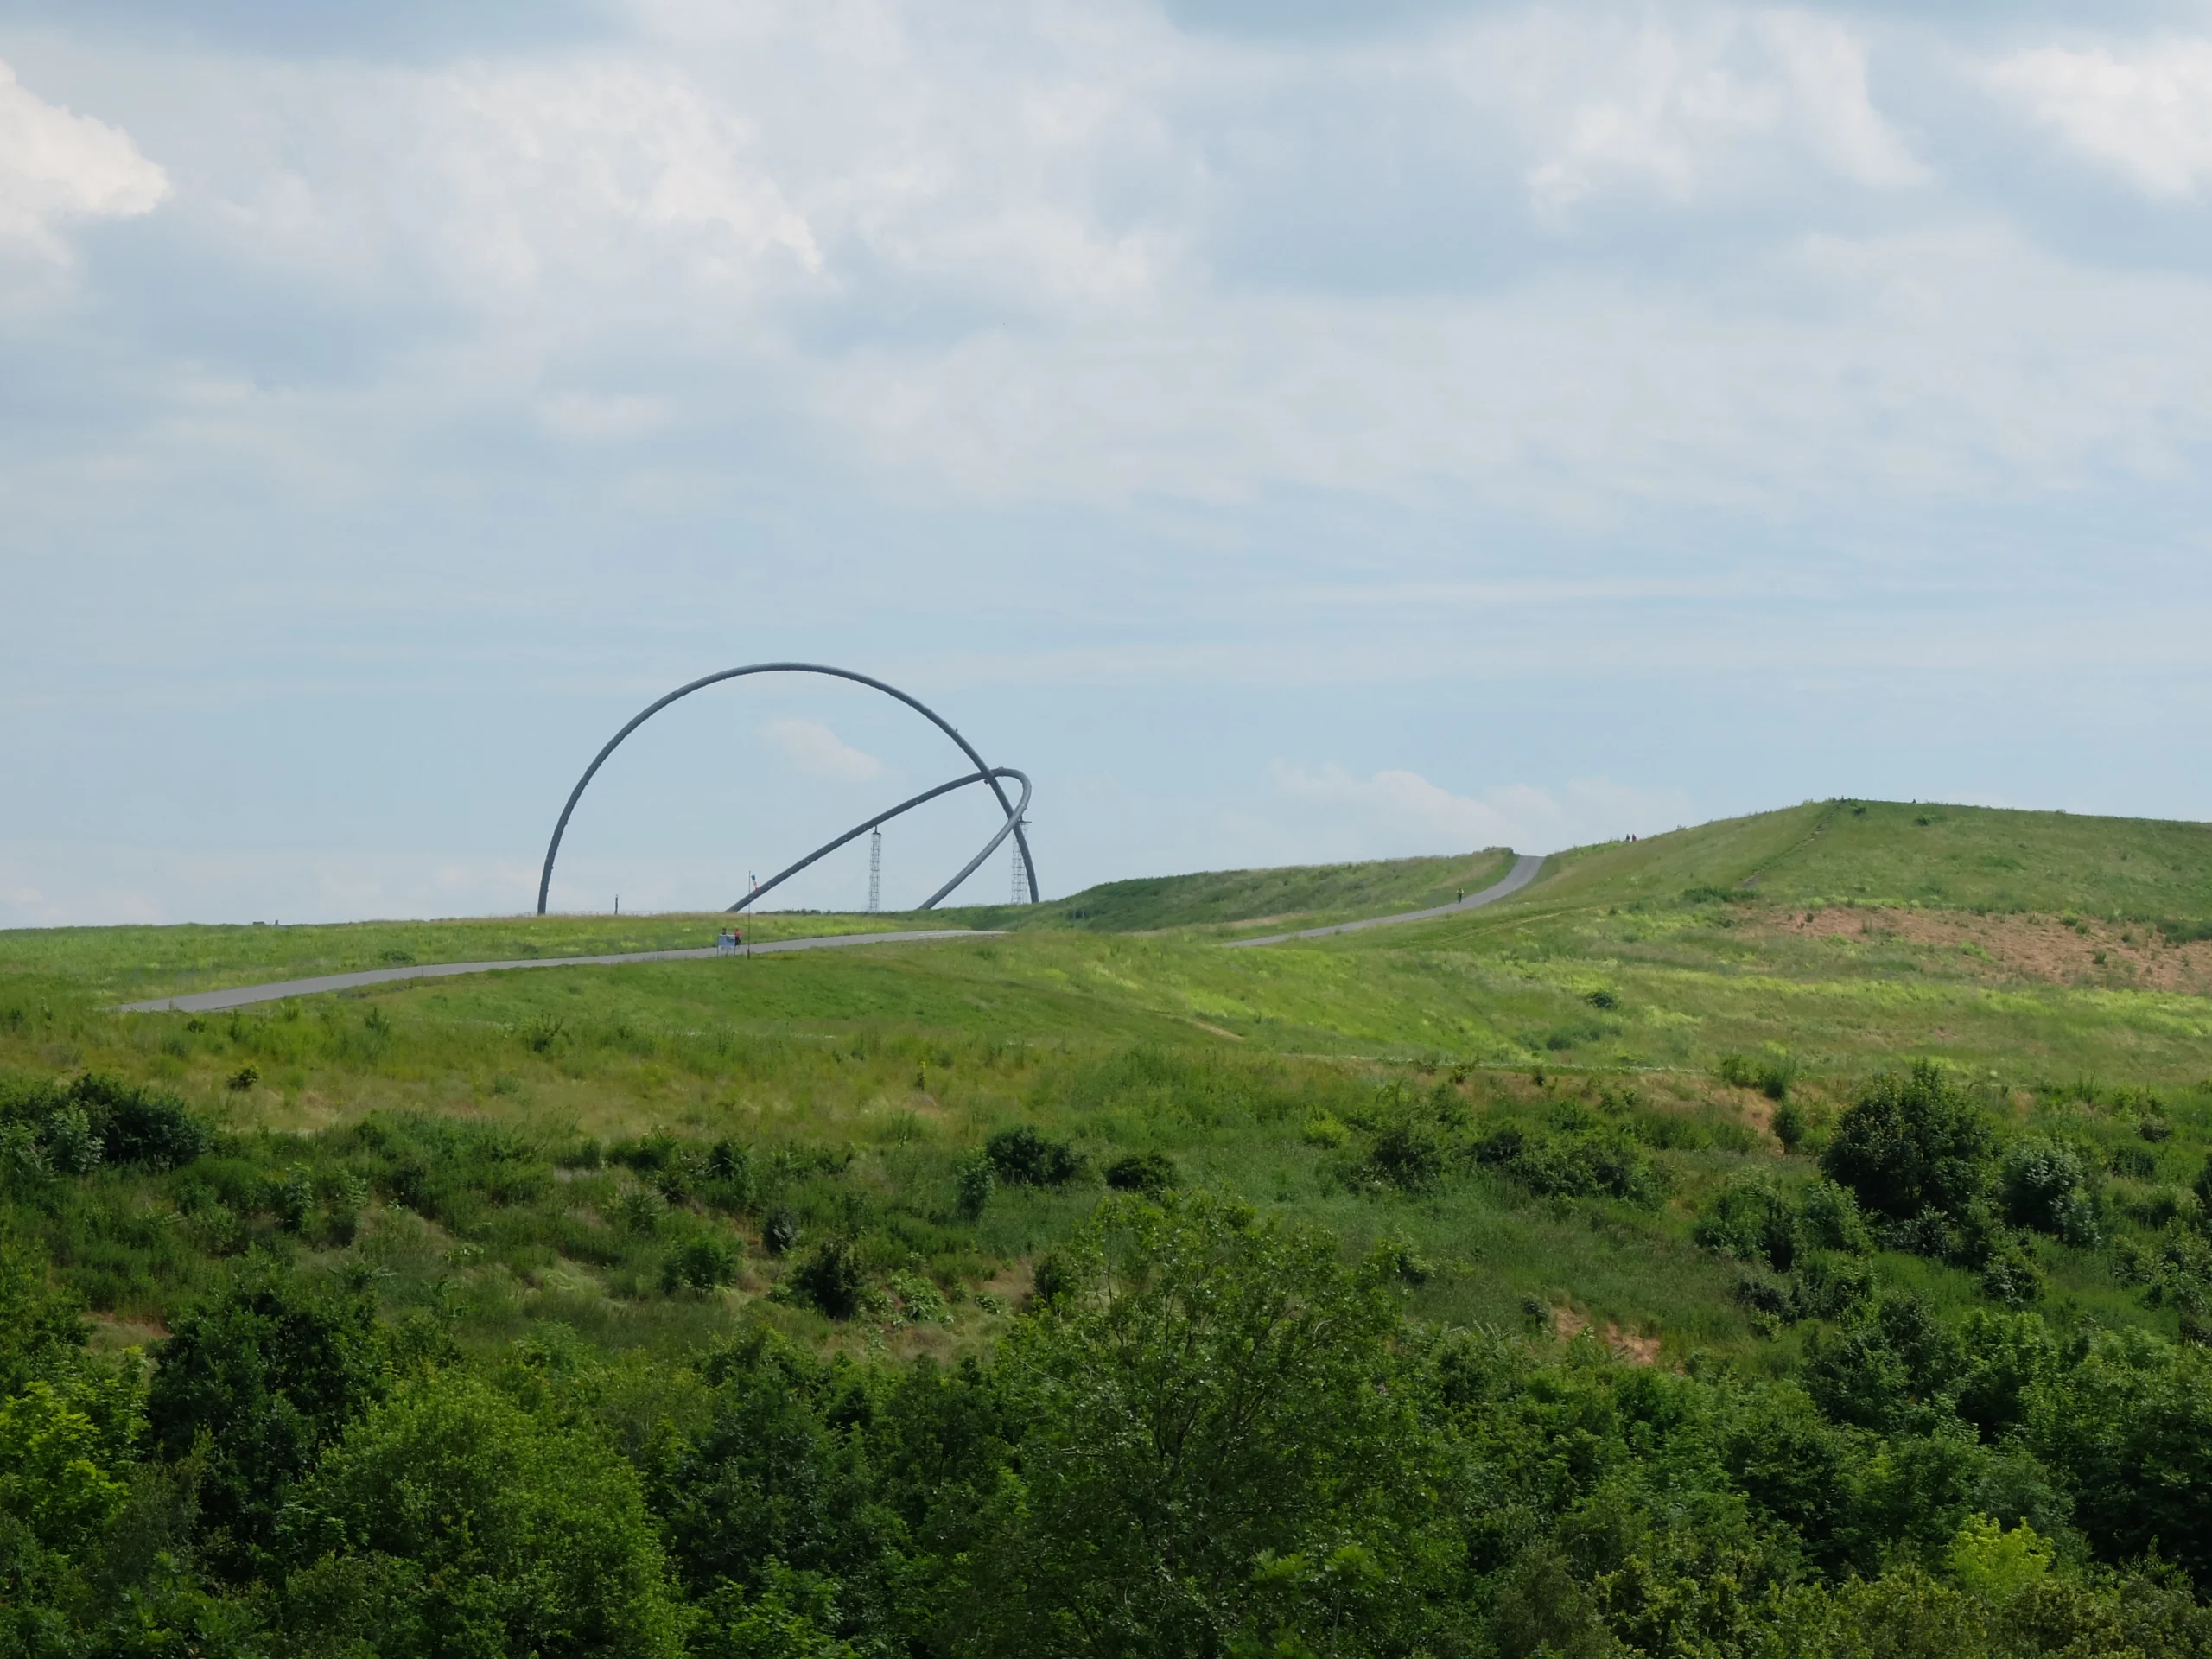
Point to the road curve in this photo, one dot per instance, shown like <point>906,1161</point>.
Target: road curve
<point>243,996</point>
<point>1522,872</point>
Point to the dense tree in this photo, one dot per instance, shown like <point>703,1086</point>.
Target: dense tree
<point>253,1387</point>
<point>451,1523</point>
<point>1213,1455</point>
<point>1912,1144</point>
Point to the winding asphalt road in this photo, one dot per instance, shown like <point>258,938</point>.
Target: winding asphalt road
<point>1522,872</point>
<point>242,995</point>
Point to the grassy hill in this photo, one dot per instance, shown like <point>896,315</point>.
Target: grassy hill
<point>1582,1127</point>
<point>1884,853</point>
<point>1825,943</point>
<point>128,963</point>
<point>1304,896</point>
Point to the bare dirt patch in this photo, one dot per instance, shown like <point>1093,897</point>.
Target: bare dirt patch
<point>2041,948</point>
<point>1636,1351</point>
<point>1567,1324</point>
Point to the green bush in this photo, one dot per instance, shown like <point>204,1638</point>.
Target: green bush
<point>450,1521</point>
<point>703,1262</point>
<point>973,1185</point>
<point>779,1232</point>
<point>75,1126</point>
<point>1912,1145</point>
<point>1752,1221</point>
<point>830,1278</point>
<point>1790,1126</point>
<point>1151,1173</point>
<point>1022,1157</point>
<point>1591,1163</point>
<point>1206,1433</point>
<point>1775,1074</point>
<point>2046,1187</point>
<point>252,1388</point>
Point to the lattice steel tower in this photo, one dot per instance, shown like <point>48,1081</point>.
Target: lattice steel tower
<point>875,871</point>
<point>1018,887</point>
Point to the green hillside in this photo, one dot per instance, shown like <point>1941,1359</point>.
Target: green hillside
<point>1942,857</point>
<point>1617,1157</point>
<point>1305,895</point>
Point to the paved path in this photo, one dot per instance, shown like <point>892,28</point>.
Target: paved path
<point>1522,872</point>
<point>240,996</point>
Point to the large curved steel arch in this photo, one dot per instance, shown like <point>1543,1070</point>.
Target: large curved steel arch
<point>965,871</point>
<point>983,773</point>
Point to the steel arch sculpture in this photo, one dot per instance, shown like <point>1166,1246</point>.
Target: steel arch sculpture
<point>984,773</point>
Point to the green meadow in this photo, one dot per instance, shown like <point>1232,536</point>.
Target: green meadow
<point>1642,971</point>
<point>1621,1119</point>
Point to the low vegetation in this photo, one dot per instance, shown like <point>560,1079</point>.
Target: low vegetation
<point>1700,1254</point>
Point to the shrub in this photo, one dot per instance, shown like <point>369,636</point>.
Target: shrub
<point>2010,1279</point>
<point>640,1210</point>
<point>1022,1157</point>
<point>1051,1281</point>
<point>1911,1144</point>
<point>1828,1287</point>
<point>779,1233</point>
<point>71,1146</point>
<point>1752,1220</point>
<point>1408,1155</point>
<point>830,1280</point>
<point>974,1183</point>
<point>1588,1163</point>
<point>1324,1130</point>
<point>74,1127</point>
<point>2136,1163</point>
<point>1775,1075</point>
<point>1149,1172</point>
<point>1216,1416</point>
<point>264,1378</point>
<point>2041,1178</point>
<point>706,1261</point>
<point>58,1469</point>
<point>136,1125</point>
<point>1894,1369</point>
<point>452,1522</point>
<point>1789,1125</point>
<point>291,1198</point>
<point>1829,1219</point>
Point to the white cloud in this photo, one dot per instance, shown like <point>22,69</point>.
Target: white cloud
<point>57,169</point>
<point>2146,113</point>
<point>1943,363</point>
<point>587,418</point>
<point>562,205</point>
<point>820,752</point>
<point>1704,102</point>
<point>1403,813</point>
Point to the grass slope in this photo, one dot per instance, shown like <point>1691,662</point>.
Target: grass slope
<point>1835,939</point>
<point>1887,853</point>
<point>1307,895</point>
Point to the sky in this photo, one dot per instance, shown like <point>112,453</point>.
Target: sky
<point>1288,431</point>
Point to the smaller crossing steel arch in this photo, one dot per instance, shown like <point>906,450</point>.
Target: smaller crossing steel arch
<point>984,773</point>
